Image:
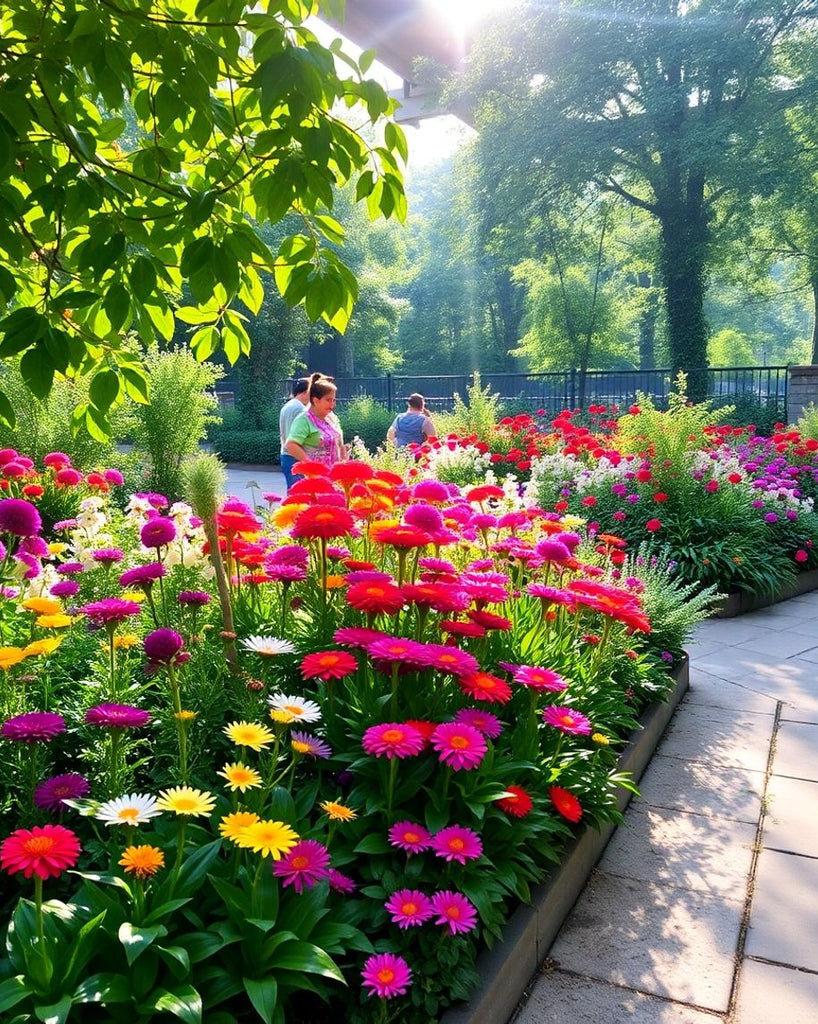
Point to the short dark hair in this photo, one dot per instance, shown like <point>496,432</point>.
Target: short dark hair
<point>320,385</point>
<point>300,386</point>
<point>415,401</point>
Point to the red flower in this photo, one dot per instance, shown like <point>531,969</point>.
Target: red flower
<point>402,536</point>
<point>376,598</point>
<point>310,469</point>
<point>516,802</point>
<point>484,492</point>
<point>734,478</point>
<point>45,851</point>
<point>566,803</point>
<point>711,486</point>
<point>652,525</point>
<point>322,522</point>
<point>485,686</point>
<point>643,475</point>
<point>328,665</point>
<point>589,501</point>
<point>660,496</point>
<point>348,473</point>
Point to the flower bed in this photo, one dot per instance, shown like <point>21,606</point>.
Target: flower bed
<point>303,765</point>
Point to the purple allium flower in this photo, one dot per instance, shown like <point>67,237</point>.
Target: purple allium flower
<point>33,726</point>
<point>142,575</point>
<point>51,794</point>
<point>157,533</point>
<point>117,716</point>
<point>110,611</point>
<point>771,517</point>
<point>163,645</point>
<point>65,588</point>
<point>19,517</point>
<point>193,597</point>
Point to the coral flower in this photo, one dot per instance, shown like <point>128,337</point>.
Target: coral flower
<point>459,745</point>
<point>310,469</point>
<point>566,803</point>
<point>241,777</point>
<point>33,727</point>
<point>142,861</point>
<point>232,824</point>
<point>484,721</point>
<point>191,803</point>
<point>393,739</point>
<point>52,794</point>
<point>322,522</point>
<point>337,812</point>
<point>485,686</point>
<point>328,665</point>
<point>269,838</point>
<point>442,597</point>
<point>516,802</point>
<point>117,716</point>
<point>45,851</point>
<point>249,734</point>
<point>386,975</point>
<point>403,536</point>
<point>409,907</point>
<point>488,620</point>
<point>536,678</point>
<point>457,843</point>
<point>408,836</point>
<point>306,864</point>
<point>375,597</point>
<point>454,911</point>
<point>133,809</point>
<point>571,722</point>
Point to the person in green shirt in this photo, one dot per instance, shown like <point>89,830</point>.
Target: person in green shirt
<point>315,434</point>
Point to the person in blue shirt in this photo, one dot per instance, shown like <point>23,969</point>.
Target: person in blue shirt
<point>413,426</point>
<point>296,405</point>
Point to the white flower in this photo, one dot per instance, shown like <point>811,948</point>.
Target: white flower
<point>268,646</point>
<point>133,809</point>
<point>301,710</point>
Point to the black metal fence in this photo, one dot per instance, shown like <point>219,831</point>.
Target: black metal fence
<point>765,386</point>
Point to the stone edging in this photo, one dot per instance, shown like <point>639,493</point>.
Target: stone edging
<point>507,969</point>
<point>742,601</point>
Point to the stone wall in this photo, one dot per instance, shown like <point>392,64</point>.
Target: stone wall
<point>802,390</point>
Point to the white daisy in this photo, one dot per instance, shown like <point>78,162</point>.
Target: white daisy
<point>268,646</point>
<point>300,709</point>
<point>133,809</point>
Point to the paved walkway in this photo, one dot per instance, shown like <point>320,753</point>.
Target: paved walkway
<point>704,907</point>
<point>268,480</point>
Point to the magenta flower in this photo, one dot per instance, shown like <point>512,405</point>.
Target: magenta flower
<point>108,556</point>
<point>551,595</point>
<point>552,550</point>
<point>52,794</point>
<point>113,476</point>
<point>450,659</point>
<point>409,907</point>
<point>56,460</point>
<point>158,532</point>
<point>457,843</point>
<point>408,836</point>
<point>571,722</point>
<point>393,739</point>
<point>64,588</point>
<point>286,573</point>
<point>289,554</point>
<point>397,649</point>
<point>356,636</point>
<point>70,568</point>
<point>68,477</point>
<point>19,517</point>
<point>142,575</point>
<point>110,611</point>
<point>427,517</point>
<point>386,975</point>
<point>33,727</point>
<point>539,678</point>
<point>454,911</point>
<point>306,864</point>
<point>431,490</point>
<point>163,645</point>
<point>117,716</point>
<point>311,746</point>
<point>195,598</point>
<point>340,882</point>
<point>459,745</point>
<point>484,721</point>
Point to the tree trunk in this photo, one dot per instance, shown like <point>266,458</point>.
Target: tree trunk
<point>814,282</point>
<point>647,323</point>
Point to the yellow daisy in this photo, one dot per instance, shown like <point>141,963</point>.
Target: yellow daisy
<point>10,656</point>
<point>232,824</point>
<point>42,605</point>
<point>45,646</point>
<point>183,800</point>
<point>185,716</point>
<point>239,776</point>
<point>142,861</point>
<point>272,838</point>
<point>249,734</point>
<point>125,641</point>
<point>133,595</point>
<point>338,812</point>
<point>282,717</point>
<point>57,547</point>
<point>54,621</point>
<point>284,515</point>
<point>601,739</point>
<point>376,528</point>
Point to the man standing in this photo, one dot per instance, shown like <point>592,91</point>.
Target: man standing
<point>288,413</point>
<point>413,426</point>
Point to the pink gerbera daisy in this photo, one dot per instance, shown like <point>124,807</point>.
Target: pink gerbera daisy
<point>454,911</point>
<point>408,836</point>
<point>567,720</point>
<point>397,648</point>
<point>536,678</point>
<point>45,851</point>
<point>409,907</point>
<point>328,665</point>
<point>459,745</point>
<point>393,739</point>
<point>386,975</point>
<point>356,636</point>
<point>484,721</point>
<point>450,659</point>
<point>340,882</point>
<point>485,686</point>
<point>306,864</point>
<point>457,843</point>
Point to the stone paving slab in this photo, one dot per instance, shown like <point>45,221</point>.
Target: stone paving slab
<point>729,632</point>
<point>729,793</point>
<point>784,615</point>
<point>781,645</point>
<point>768,993</point>
<point>740,666</point>
<point>795,751</point>
<point>661,941</point>
<point>559,998</point>
<point>713,691</point>
<point>719,736</point>
<point>688,851</point>
<point>791,825</point>
<point>784,913</point>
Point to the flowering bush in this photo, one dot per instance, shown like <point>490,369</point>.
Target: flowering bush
<point>340,797</point>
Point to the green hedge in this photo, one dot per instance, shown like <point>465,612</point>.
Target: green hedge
<point>257,446</point>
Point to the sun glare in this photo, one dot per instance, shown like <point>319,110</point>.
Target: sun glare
<point>464,14</point>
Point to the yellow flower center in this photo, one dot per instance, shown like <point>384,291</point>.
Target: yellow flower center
<point>392,736</point>
<point>128,814</point>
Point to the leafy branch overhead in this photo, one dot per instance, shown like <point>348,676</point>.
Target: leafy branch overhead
<point>141,141</point>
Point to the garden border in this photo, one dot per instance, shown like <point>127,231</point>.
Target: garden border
<point>742,601</point>
<point>507,969</point>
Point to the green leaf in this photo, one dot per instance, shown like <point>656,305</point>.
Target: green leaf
<point>143,278</point>
<point>7,415</point>
<point>263,995</point>
<point>13,991</point>
<point>304,956</point>
<point>205,342</point>
<point>136,940</point>
<point>103,988</point>
<point>117,305</point>
<point>183,1002</point>
<point>104,389</point>
<point>56,1013</point>
<point>37,370</point>
<point>136,384</point>
<point>8,286</point>
<point>195,315</point>
<point>373,843</point>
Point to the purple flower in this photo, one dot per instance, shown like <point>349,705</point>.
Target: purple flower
<point>65,588</point>
<point>70,568</point>
<point>110,611</point>
<point>771,517</point>
<point>51,794</point>
<point>157,501</point>
<point>33,726</point>
<point>193,597</point>
<point>142,575</point>
<point>157,533</point>
<point>113,476</point>
<point>108,556</point>
<point>35,546</point>
<point>289,554</point>
<point>65,524</point>
<point>163,645</point>
<point>19,517</point>
<point>117,716</point>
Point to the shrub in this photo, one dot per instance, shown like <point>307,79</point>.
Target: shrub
<point>477,415</point>
<point>365,418</point>
<point>257,446</point>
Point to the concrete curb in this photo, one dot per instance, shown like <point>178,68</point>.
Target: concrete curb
<point>508,969</point>
<point>742,602</point>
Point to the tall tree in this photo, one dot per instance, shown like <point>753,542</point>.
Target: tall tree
<point>656,101</point>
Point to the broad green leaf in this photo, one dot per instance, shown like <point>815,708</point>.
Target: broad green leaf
<point>195,315</point>
<point>205,342</point>
<point>304,956</point>
<point>103,988</point>
<point>7,414</point>
<point>263,995</point>
<point>37,370</point>
<point>136,940</point>
<point>13,991</point>
<point>104,389</point>
<point>56,1013</point>
<point>183,1002</point>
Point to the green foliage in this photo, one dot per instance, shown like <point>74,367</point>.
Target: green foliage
<point>260,447</point>
<point>367,419</point>
<point>134,147</point>
<point>807,423</point>
<point>478,414</point>
<point>172,426</point>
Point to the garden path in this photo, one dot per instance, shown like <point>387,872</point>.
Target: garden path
<point>703,908</point>
<point>268,479</point>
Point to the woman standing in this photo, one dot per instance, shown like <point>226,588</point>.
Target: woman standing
<point>315,434</point>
